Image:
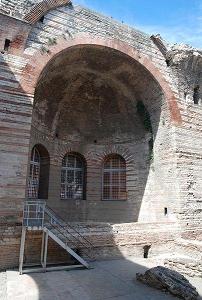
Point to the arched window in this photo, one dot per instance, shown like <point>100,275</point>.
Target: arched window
<point>38,177</point>
<point>34,174</point>
<point>114,178</point>
<point>72,177</point>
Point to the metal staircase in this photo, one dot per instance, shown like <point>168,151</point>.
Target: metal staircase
<point>38,216</point>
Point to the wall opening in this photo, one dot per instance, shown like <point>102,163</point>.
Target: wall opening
<point>146,249</point>
<point>41,19</point>
<point>196,95</point>
<point>7,45</point>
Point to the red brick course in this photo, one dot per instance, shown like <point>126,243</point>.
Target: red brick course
<point>42,8</point>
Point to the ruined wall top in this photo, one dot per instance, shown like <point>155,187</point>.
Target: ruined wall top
<point>29,10</point>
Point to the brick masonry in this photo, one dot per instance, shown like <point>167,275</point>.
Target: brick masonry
<point>139,71</point>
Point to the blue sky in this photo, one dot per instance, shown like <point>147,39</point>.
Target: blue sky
<point>178,21</point>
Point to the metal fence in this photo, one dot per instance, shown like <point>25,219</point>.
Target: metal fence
<point>33,214</point>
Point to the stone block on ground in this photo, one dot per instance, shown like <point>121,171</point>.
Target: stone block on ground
<point>168,280</point>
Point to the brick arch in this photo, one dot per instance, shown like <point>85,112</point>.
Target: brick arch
<point>41,8</point>
<point>39,60</point>
<point>112,150</point>
<point>43,151</point>
<point>63,150</point>
<point>73,152</point>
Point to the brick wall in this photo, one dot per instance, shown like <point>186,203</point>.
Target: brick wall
<point>173,179</point>
<point>17,34</point>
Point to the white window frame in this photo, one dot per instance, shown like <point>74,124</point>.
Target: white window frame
<point>110,171</point>
<point>33,184</point>
<point>75,169</point>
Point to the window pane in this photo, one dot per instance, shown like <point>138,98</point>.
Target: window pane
<point>122,194</point>
<point>63,176</point>
<point>122,164</point>
<point>64,161</point>
<point>34,173</point>
<point>114,178</point>
<point>62,192</point>
<point>78,192</point>
<point>79,177</point>
<point>107,164</point>
<point>122,178</point>
<point>115,193</point>
<point>106,178</point>
<point>36,156</point>
<point>106,193</point>
<point>70,192</point>
<point>79,163</point>
<point>115,162</point>
<point>30,170</point>
<point>70,161</point>
<point>72,177</point>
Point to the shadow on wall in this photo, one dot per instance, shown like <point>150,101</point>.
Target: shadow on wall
<point>96,101</point>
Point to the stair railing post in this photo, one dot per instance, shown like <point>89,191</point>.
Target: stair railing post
<point>42,248</point>
<point>45,251</point>
<point>22,249</point>
<point>43,213</point>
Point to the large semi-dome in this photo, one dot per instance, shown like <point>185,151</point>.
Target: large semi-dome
<point>23,8</point>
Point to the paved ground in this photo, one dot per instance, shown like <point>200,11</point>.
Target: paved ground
<point>109,280</point>
<point>3,293</point>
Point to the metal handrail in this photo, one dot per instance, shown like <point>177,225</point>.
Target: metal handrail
<point>60,231</point>
<point>37,214</point>
<point>62,221</point>
<point>57,224</point>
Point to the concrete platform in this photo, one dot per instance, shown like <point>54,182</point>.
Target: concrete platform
<point>107,281</point>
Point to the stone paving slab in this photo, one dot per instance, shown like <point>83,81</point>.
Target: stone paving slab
<point>3,291</point>
<point>107,281</point>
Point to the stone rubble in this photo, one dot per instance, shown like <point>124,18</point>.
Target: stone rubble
<point>170,281</point>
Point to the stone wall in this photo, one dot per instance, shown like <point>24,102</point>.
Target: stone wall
<point>10,248</point>
<point>186,64</point>
<point>174,177</point>
<point>30,11</point>
<point>189,170</point>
